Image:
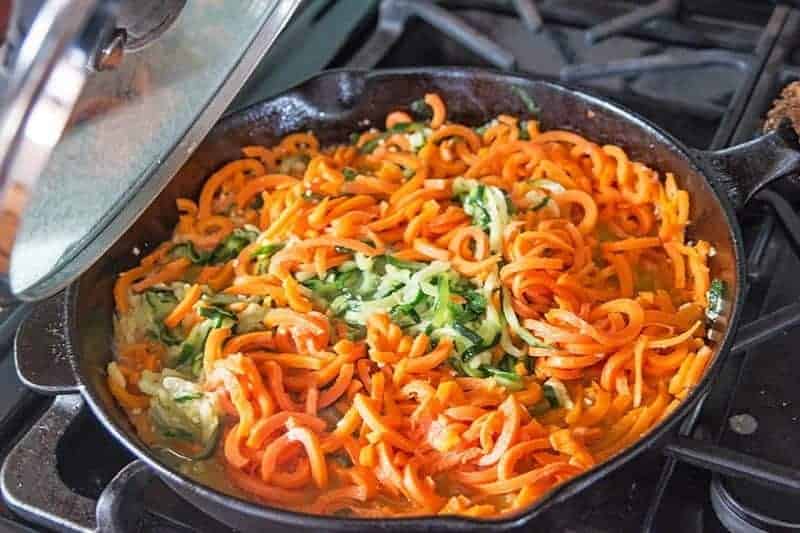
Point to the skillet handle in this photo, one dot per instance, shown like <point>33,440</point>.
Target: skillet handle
<point>742,170</point>
<point>42,352</point>
<point>30,479</point>
<point>114,511</point>
<point>137,491</point>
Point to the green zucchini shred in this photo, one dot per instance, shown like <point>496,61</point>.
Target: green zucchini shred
<point>162,334</point>
<point>190,354</point>
<point>161,302</point>
<point>263,255</point>
<point>503,372</point>
<point>177,433</point>
<point>188,397</point>
<point>187,250</point>
<point>715,295</point>
<point>474,204</point>
<point>509,380</point>
<point>462,369</point>
<point>180,412</point>
<point>217,314</point>
<point>541,204</point>
<point>232,245</point>
<point>406,127</point>
<point>510,207</point>
<point>220,299</point>
<point>449,305</point>
<point>225,251</point>
<point>530,105</point>
<point>356,332</point>
<point>480,130</point>
<point>550,396</point>
<point>404,315</point>
<point>399,263</point>
<point>443,308</point>
<point>473,337</point>
<point>421,110</point>
<point>322,288</point>
<point>523,131</point>
<point>344,303</point>
<point>268,250</point>
<point>475,349</point>
<point>349,174</point>
<point>369,146</point>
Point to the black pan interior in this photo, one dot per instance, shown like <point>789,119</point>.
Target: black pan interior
<point>337,103</point>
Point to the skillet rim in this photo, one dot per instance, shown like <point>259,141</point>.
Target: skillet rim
<point>561,493</point>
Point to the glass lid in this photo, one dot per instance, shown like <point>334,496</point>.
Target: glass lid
<point>102,102</point>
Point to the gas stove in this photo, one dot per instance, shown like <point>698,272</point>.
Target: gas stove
<point>705,71</point>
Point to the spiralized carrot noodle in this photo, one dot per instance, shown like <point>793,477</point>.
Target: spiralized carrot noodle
<point>438,318</point>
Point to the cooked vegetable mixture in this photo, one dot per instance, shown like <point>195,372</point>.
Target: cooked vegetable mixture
<point>432,319</point>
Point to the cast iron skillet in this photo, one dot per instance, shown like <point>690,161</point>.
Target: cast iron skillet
<point>334,104</point>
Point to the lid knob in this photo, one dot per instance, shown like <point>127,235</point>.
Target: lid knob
<point>110,56</point>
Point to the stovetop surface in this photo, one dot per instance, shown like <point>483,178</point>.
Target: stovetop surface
<point>720,99</point>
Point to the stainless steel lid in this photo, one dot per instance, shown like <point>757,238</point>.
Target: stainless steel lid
<point>102,101</point>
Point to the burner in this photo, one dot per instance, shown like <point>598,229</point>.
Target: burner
<point>739,518</point>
